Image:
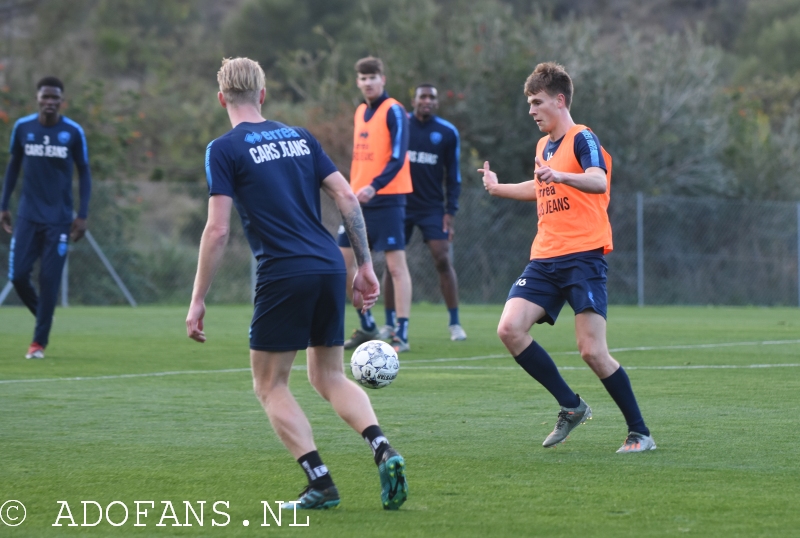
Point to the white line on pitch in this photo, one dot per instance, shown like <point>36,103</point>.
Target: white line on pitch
<point>679,367</point>
<point>480,357</point>
<point>125,376</point>
<point>623,349</point>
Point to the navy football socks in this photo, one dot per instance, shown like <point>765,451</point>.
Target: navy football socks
<point>540,366</point>
<point>619,387</point>
<point>391,317</point>
<point>454,316</point>
<point>367,321</point>
<point>402,329</point>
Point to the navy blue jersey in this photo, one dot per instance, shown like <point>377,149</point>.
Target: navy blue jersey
<point>587,150</point>
<point>46,155</point>
<point>433,148</point>
<point>274,173</point>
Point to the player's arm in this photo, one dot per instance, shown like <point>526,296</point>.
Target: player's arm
<point>81,158</point>
<point>220,173</point>
<point>212,247</point>
<point>587,150</point>
<point>591,181</point>
<point>397,123</point>
<point>366,288</point>
<point>525,191</point>
<point>10,181</point>
<point>453,185</point>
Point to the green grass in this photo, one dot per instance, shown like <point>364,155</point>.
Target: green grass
<point>470,430</point>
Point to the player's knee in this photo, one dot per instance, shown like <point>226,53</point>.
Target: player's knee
<point>261,392</point>
<point>398,271</point>
<point>442,264</point>
<point>591,351</point>
<point>265,387</point>
<point>508,332</point>
<point>324,382</point>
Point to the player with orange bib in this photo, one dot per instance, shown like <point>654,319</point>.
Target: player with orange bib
<point>380,177</point>
<point>572,189</point>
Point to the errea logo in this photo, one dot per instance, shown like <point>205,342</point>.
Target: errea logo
<point>252,138</point>
<point>364,134</point>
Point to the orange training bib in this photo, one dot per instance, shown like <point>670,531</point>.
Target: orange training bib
<point>372,150</point>
<point>570,220</point>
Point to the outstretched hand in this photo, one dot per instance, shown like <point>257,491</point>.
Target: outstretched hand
<point>489,177</point>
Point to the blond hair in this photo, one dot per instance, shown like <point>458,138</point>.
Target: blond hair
<point>240,80</point>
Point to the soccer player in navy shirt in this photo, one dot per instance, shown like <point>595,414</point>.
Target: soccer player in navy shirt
<point>45,145</point>
<point>434,149</point>
<point>273,174</point>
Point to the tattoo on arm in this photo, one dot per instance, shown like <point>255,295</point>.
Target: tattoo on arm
<point>357,234</point>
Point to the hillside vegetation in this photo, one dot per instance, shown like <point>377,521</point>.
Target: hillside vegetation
<point>690,96</point>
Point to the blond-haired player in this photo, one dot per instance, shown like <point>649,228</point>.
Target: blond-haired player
<point>273,173</point>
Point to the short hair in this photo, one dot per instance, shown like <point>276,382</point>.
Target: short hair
<point>241,80</point>
<point>551,78</point>
<point>53,82</point>
<point>424,85</point>
<point>369,66</point>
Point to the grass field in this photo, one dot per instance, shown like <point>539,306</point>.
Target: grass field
<point>94,422</point>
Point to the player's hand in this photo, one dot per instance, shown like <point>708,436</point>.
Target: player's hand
<point>194,321</point>
<point>545,173</point>
<point>366,194</point>
<point>366,288</point>
<point>489,177</point>
<point>78,229</point>
<point>5,220</point>
<point>448,225</point>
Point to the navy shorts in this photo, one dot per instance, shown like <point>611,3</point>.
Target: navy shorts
<point>577,279</point>
<point>299,312</point>
<point>384,229</point>
<point>430,223</point>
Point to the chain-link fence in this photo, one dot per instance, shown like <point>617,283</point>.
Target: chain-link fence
<point>668,250</point>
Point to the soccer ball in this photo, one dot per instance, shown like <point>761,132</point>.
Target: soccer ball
<point>374,364</point>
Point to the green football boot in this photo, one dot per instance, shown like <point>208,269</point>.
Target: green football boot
<point>394,487</point>
<point>315,499</point>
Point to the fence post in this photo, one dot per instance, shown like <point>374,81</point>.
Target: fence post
<point>640,247</point>
<point>65,284</point>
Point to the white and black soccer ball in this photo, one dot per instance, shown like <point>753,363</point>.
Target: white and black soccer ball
<point>374,364</point>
